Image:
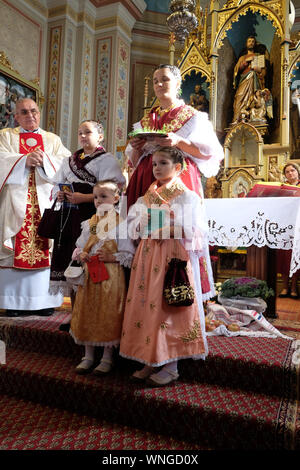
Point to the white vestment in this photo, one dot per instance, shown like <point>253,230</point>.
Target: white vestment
<point>24,289</point>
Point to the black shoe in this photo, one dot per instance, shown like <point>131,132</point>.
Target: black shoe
<point>65,327</point>
<point>284,296</point>
<point>17,313</point>
<point>12,313</point>
<point>44,312</point>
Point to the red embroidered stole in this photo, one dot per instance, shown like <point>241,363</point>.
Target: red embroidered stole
<point>31,250</point>
<point>171,121</point>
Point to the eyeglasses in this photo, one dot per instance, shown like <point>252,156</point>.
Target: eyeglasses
<point>34,112</point>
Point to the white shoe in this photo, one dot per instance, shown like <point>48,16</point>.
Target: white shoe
<point>142,374</point>
<point>163,377</point>
<point>85,366</point>
<point>104,367</point>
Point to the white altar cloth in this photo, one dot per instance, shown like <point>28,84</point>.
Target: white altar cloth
<point>261,221</point>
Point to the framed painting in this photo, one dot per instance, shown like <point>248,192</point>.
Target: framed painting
<point>12,88</point>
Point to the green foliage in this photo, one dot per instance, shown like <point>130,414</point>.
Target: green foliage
<point>246,287</point>
<point>146,130</point>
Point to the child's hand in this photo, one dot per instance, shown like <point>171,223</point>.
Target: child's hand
<point>84,257</point>
<point>60,196</point>
<point>105,257</point>
<point>75,198</point>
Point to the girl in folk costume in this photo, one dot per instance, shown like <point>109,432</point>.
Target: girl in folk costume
<point>104,248</point>
<point>83,169</point>
<point>188,130</point>
<point>154,332</point>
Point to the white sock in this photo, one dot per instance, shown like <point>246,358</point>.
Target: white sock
<point>170,367</point>
<point>107,353</point>
<point>89,352</point>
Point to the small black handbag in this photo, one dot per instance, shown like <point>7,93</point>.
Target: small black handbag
<point>50,223</point>
<point>178,291</point>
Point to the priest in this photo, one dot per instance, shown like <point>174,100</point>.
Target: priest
<point>29,158</point>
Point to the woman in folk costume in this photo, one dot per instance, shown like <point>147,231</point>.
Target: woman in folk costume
<point>188,130</point>
<point>103,248</point>
<point>83,169</point>
<point>154,332</point>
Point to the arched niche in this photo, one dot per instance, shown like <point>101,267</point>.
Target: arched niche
<point>233,26</point>
<point>272,10</point>
<point>243,147</point>
<point>195,71</point>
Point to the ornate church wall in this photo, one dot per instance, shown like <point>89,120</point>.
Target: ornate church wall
<point>149,48</point>
<point>23,38</point>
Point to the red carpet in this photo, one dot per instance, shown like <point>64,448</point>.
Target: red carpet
<point>31,426</point>
<point>242,397</point>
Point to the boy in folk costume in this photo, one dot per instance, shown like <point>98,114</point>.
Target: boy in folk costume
<point>103,248</point>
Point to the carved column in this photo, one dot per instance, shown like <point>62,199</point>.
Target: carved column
<point>285,92</point>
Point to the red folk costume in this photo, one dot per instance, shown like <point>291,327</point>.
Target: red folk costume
<point>194,126</point>
<point>170,121</point>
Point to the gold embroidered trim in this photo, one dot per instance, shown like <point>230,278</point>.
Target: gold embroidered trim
<point>192,334</point>
<point>175,124</point>
<point>164,194</point>
<point>31,246</point>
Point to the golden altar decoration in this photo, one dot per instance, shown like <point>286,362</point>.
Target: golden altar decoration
<point>258,145</point>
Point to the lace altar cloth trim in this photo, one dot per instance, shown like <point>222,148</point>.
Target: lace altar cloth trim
<point>262,221</point>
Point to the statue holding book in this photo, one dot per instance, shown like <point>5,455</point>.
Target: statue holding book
<point>249,76</point>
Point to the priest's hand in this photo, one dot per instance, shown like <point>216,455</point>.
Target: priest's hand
<point>34,159</point>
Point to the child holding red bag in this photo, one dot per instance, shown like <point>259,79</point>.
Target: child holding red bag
<point>103,248</point>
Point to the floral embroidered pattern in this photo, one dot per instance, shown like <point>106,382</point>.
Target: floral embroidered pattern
<point>175,124</point>
<point>192,334</point>
<point>31,250</point>
<point>163,195</point>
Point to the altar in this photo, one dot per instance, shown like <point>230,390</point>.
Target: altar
<point>273,223</point>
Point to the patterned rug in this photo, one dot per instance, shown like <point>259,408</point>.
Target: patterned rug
<point>242,397</point>
<point>30,426</point>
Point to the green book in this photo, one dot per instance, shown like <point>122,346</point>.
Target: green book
<point>156,220</point>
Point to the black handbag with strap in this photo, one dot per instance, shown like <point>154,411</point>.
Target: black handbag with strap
<point>50,225</point>
<point>178,291</point>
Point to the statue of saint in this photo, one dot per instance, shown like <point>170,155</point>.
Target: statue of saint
<point>249,76</point>
<point>198,100</point>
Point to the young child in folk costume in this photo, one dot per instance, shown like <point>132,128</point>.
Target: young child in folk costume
<point>155,333</point>
<point>188,130</point>
<point>83,169</point>
<point>99,305</point>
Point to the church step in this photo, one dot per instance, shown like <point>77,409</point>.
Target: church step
<point>26,425</point>
<point>262,365</point>
<point>208,414</point>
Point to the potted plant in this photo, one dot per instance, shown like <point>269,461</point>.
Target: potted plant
<point>246,293</point>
